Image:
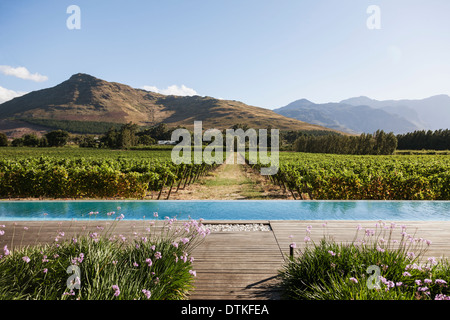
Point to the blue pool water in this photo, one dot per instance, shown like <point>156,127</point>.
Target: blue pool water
<point>227,210</point>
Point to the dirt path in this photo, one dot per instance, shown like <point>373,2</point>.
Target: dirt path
<point>230,182</point>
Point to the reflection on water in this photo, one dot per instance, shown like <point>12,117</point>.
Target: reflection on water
<point>227,210</point>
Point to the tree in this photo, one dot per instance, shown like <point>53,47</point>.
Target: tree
<point>3,140</point>
<point>123,138</point>
<point>110,138</point>
<point>127,136</point>
<point>88,142</point>
<point>30,140</point>
<point>18,142</point>
<point>57,138</point>
<point>146,140</point>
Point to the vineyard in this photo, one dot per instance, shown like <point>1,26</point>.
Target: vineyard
<point>66,173</point>
<point>351,177</point>
<point>100,173</point>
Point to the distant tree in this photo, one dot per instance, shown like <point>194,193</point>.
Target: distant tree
<point>88,142</point>
<point>30,140</point>
<point>127,136</point>
<point>421,139</point>
<point>146,140</point>
<point>378,143</point>
<point>17,142</point>
<point>43,142</point>
<point>123,138</point>
<point>3,140</point>
<point>110,139</point>
<point>57,138</point>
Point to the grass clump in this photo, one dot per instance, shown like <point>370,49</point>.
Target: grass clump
<point>374,267</point>
<point>156,264</point>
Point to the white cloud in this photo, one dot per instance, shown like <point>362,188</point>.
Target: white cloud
<point>22,73</point>
<point>7,94</point>
<point>173,90</point>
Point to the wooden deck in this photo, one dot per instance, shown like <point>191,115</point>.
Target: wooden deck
<point>236,265</point>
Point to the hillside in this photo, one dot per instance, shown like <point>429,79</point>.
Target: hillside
<point>357,115</point>
<point>431,113</point>
<point>86,98</point>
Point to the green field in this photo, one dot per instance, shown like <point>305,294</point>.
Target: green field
<point>394,177</point>
<point>72,172</point>
<point>90,173</point>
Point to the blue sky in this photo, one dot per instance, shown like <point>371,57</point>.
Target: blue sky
<point>264,53</point>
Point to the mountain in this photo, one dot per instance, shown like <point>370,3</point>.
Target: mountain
<point>346,117</point>
<point>431,113</point>
<point>86,98</point>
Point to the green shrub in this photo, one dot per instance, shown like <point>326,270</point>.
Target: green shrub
<point>154,265</point>
<point>337,271</point>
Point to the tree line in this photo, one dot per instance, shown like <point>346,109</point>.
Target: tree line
<point>375,144</point>
<point>56,138</point>
<point>428,140</point>
<point>123,137</point>
<point>131,135</point>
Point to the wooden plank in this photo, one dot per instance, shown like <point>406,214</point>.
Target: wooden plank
<point>287,232</point>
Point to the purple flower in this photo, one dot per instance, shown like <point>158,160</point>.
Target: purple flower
<point>45,270</point>
<point>5,250</point>
<point>293,245</point>
<point>428,281</point>
<point>193,273</point>
<point>332,253</point>
<point>158,255</point>
<point>147,293</point>
<point>135,264</point>
<point>406,274</point>
<point>116,288</point>
<point>26,259</point>
<point>418,282</point>
<point>440,281</point>
<point>149,262</point>
<point>354,280</point>
<point>2,232</point>
<point>307,239</point>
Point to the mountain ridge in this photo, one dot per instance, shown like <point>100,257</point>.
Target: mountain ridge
<point>363,114</point>
<point>84,97</point>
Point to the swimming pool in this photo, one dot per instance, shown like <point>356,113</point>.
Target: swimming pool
<point>226,210</point>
